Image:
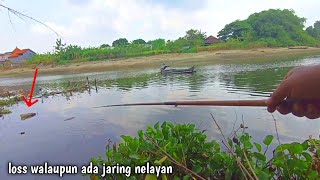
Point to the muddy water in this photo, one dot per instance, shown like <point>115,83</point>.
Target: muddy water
<point>67,130</point>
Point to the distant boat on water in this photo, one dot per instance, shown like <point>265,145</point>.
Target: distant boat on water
<point>166,70</point>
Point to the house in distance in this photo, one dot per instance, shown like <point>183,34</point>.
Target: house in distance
<point>17,56</point>
<point>211,40</point>
<point>5,57</point>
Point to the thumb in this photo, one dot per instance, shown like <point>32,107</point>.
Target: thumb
<point>278,95</point>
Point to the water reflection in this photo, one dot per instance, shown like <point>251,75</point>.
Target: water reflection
<point>257,83</point>
<point>49,138</point>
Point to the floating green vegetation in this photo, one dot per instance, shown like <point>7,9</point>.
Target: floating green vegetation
<point>5,111</point>
<point>27,116</point>
<point>9,101</point>
<point>192,156</point>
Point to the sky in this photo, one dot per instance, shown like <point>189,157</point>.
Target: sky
<point>90,23</point>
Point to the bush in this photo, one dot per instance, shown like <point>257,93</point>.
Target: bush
<point>191,155</point>
<point>190,50</point>
<point>46,59</point>
<point>184,143</point>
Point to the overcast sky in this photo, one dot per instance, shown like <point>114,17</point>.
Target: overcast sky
<point>94,22</point>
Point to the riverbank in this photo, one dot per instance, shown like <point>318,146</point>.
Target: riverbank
<point>177,60</point>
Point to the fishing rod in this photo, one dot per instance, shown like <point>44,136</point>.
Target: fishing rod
<point>257,103</point>
<point>21,15</point>
<point>248,103</point>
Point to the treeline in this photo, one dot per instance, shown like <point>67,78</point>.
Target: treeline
<point>271,28</point>
<point>121,48</point>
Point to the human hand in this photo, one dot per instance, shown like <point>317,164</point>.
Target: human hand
<point>298,93</point>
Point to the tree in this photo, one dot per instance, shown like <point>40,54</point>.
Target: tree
<point>138,41</point>
<point>104,46</point>
<point>177,45</point>
<point>275,27</point>
<point>120,42</point>
<point>317,25</point>
<point>71,52</point>
<point>158,44</point>
<point>193,34</point>
<point>59,47</point>
<point>315,30</point>
<point>235,30</point>
<point>283,25</point>
<point>195,37</point>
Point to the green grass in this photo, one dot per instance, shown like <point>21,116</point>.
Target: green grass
<point>5,111</point>
<point>9,102</point>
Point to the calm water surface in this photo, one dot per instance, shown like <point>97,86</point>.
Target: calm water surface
<point>48,137</point>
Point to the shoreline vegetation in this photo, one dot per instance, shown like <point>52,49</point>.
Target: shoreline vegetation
<point>272,32</point>
<point>255,55</point>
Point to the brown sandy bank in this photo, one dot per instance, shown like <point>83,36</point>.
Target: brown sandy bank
<point>177,60</point>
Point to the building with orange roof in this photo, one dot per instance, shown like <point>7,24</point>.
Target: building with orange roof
<point>17,55</point>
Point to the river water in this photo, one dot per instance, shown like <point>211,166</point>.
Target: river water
<point>67,130</point>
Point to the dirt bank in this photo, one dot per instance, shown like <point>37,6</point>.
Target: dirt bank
<point>179,60</point>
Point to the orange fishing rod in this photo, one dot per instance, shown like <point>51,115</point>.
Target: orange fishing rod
<point>252,103</point>
<point>248,103</point>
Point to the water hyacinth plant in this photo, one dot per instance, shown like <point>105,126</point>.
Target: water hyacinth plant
<point>192,156</point>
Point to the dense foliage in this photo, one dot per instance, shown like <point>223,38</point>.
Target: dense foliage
<point>271,28</point>
<point>139,41</point>
<point>104,45</point>
<point>315,30</point>
<point>120,42</point>
<point>190,153</point>
<point>121,48</point>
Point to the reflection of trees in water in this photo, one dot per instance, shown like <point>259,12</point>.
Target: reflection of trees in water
<point>196,82</point>
<point>129,83</point>
<point>126,83</point>
<point>259,81</point>
<point>192,82</point>
<point>255,81</point>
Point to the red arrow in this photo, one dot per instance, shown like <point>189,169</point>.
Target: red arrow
<point>29,102</point>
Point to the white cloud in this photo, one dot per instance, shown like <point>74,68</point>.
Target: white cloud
<point>77,28</point>
<point>38,28</point>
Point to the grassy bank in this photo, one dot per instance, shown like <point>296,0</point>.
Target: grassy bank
<point>177,59</point>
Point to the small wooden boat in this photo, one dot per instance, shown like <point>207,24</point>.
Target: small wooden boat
<point>164,70</point>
